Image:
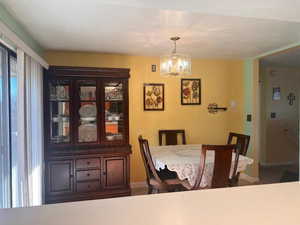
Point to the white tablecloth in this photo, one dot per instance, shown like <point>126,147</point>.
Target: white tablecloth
<point>185,160</point>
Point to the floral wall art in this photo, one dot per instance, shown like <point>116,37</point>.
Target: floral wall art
<point>154,97</point>
<point>190,91</point>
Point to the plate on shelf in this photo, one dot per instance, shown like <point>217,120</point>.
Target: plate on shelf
<point>88,119</point>
<point>114,137</point>
<point>88,111</point>
<point>87,133</point>
<point>110,137</point>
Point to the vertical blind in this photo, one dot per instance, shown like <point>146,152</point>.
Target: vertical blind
<point>21,130</point>
<point>34,130</point>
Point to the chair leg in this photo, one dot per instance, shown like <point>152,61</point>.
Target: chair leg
<point>233,182</point>
<point>150,190</point>
<point>155,191</point>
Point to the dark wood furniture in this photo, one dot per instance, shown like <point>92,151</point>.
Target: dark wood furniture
<point>242,141</point>
<point>171,136</point>
<point>86,133</point>
<point>222,166</point>
<point>157,181</point>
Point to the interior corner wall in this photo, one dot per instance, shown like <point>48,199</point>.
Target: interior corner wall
<point>251,100</point>
<point>262,78</point>
<point>236,102</point>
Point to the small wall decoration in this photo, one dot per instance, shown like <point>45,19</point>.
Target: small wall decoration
<point>153,68</point>
<point>190,91</point>
<point>291,98</point>
<point>276,94</point>
<point>214,108</point>
<point>154,99</point>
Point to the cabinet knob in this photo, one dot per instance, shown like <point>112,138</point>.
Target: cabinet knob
<point>104,172</point>
<point>88,174</point>
<point>88,163</point>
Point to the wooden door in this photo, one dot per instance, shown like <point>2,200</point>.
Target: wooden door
<point>60,177</point>
<point>115,172</point>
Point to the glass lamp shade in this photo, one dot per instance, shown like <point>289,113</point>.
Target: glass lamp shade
<point>175,64</point>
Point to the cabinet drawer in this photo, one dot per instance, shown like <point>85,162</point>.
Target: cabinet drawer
<point>88,186</point>
<point>88,163</point>
<point>88,175</point>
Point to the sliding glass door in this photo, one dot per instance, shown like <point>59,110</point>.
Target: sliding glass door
<point>8,122</point>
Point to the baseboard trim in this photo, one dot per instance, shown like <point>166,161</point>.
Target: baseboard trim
<point>249,178</point>
<point>141,184</point>
<point>278,164</point>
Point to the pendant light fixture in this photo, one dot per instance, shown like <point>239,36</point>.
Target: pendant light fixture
<point>175,64</point>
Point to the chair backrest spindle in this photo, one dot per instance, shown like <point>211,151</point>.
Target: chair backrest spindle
<point>171,136</point>
<point>242,142</point>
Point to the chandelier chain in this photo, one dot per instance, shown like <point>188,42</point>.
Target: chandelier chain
<point>176,38</point>
<point>175,47</point>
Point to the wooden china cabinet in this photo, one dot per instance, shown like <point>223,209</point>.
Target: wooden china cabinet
<point>86,133</point>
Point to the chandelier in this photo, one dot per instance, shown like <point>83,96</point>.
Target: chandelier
<point>175,64</point>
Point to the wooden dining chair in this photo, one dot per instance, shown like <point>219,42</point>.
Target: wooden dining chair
<point>157,181</point>
<point>221,170</point>
<point>171,136</point>
<point>242,141</point>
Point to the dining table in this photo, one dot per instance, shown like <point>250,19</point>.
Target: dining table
<point>185,161</point>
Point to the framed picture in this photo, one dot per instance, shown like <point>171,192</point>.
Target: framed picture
<point>154,97</point>
<point>190,92</point>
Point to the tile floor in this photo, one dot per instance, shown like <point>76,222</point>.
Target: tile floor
<point>274,174</point>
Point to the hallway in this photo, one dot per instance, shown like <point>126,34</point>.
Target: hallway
<point>278,174</point>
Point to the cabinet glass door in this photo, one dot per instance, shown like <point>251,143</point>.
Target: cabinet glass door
<point>87,129</point>
<point>59,111</point>
<point>114,111</point>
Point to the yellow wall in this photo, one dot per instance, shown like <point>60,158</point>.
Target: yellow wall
<point>222,81</point>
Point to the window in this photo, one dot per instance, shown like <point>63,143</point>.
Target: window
<point>8,122</point>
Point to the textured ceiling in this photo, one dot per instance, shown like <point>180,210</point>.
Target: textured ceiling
<point>209,29</point>
<point>290,58</point>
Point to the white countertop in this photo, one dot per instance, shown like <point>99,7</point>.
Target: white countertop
<point>274,204</point>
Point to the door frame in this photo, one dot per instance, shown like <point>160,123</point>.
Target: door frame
<point>253,106</point>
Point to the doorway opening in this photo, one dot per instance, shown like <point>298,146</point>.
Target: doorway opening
<point>279,83</point>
